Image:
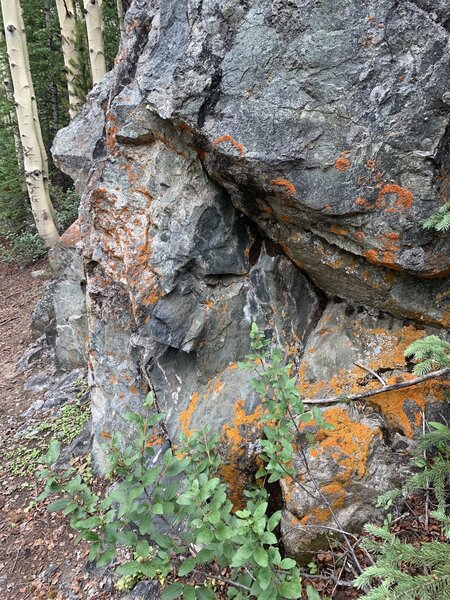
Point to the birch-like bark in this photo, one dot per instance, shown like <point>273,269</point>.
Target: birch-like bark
<point>120,13</point>
<point>94,27</point>
<point>37,122</point>
<point>25,104</point>
<point>72,59</point>
<point>10,119</point>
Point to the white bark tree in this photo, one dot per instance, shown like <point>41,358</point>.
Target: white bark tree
<point>72,59</point>
<point>35,158</point>
<point>94,26</point>
<point>120,13</point>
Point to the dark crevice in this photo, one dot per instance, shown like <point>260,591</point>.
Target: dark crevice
<point>212,93</point>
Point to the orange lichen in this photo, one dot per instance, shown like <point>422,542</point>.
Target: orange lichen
<point>235,438</point>
<point>154,440</point>
<point>371,164</point>
<point>404,197</point>
<point>186,415</point>
<point>228,138</point>
<point>384,349</point>
<point>338,230</point>
<point>287,185</point>
<point>316,515</point>
<point>350,439</point>
<point>342,164</point>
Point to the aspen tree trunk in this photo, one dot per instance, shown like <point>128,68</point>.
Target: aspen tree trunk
<point>120,13</point>
<point>72,59</point>
<point>94,26</point>
<point>25,102</point>
<point>37,123</point>
<point>10,119</point>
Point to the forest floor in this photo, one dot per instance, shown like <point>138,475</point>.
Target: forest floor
<point>38,555</point>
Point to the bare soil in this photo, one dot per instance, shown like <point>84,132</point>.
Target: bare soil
<point>38,555</point>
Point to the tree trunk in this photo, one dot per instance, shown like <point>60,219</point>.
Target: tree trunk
<point>29,134</point>
<point>37,122</point>
<point>94,26</point>
<point>10,119</point>
<point>72,59</point>
<point>120,13</point>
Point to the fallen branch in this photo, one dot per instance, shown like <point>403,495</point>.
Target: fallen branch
<point>382,390</point>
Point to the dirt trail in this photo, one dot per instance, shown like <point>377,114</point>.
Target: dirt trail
<point>38,555</point>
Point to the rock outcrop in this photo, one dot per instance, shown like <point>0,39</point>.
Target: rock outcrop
<point>248,160</point>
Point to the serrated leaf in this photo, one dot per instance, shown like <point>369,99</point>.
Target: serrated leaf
<point>129,568</point>
<point>203,593</point>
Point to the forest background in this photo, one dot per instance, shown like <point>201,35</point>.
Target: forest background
<point>19,240</point>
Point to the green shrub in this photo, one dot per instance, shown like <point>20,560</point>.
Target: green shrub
<point>199,531</point>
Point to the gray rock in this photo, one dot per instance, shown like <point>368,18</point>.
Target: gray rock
<point>80,446</point>
<point>145,590</point>
<point>368,450</point>
<point>32,353</point>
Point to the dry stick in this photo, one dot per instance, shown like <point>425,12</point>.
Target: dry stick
<point>327,578</point>
<point>374,373</point>
<point>388,388</point>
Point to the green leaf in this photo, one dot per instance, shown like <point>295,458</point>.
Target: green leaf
<point>260,511</point>
<point>290,589</point>
<point>312,593</point>
<point>172,591</point>
<point>203,593</point>
<point>268,538</point>
<point>53,452</point>
<point>204,536</point>
<point>58,505</point>
<point>242,556</point>
<point>188,592</point>
<point>106,557</point>
<point>260,557</point>
<point>142,548</point>
<point>264,577</point>
<point>274,520</point>
<point>186,567</point>
<point>129,568</point>
<point>204,556</point>
<point>288,563</point>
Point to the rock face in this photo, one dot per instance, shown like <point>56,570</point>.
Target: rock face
<point>246,161</point>
<point>60,315</point>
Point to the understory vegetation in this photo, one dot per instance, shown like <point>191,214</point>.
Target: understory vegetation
<point>167,515</point>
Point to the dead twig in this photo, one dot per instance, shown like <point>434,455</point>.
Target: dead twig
<point>374,373</point>
<point>388,388</point>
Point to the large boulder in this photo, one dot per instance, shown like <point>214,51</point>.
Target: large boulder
<point>248,161</point>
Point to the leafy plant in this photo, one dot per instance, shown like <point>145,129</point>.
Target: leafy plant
<point>173,514</point>
<point>197,526</point>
